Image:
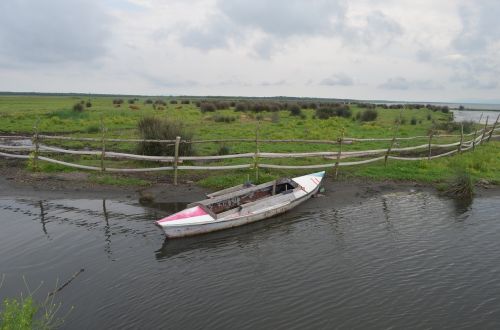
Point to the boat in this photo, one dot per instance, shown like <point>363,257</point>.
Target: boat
<point>240,205</point>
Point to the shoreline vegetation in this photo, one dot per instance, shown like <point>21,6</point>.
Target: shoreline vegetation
<point>235,118</point>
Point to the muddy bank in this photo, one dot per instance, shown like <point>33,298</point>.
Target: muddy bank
<point>19,184</point>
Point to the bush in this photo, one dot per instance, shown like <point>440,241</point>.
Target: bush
<point>295,110</point>
<point>185,102</point>
<point>223,119</point>
<point>241,107</point>
<point>429,116</point>
<point>207,107</point>
<point>173,101</point>
<point>369,115</point>
<point>337,110</point>
<point>118,101</point>
<point>461,186</point>
<point>93,129</point>
<point>88,104</point>
<point>78,107</point>
<point>413,121</point>
<point>131,101</point>
<point>152,128</point>
<point>148,101</point>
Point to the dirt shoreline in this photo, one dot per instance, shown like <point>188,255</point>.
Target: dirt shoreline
<point>17,183</point>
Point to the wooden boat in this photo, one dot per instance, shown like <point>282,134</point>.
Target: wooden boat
<point>241,205</point>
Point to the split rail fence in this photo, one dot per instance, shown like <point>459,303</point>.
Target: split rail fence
<point>37,148</point>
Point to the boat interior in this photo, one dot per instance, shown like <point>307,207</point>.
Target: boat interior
<point>234,201</point>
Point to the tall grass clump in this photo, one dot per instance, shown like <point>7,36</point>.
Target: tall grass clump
<point>295,110</point>
<point>207,107</point>
<point>368,115</point>
<point>339,110</point>
<point>78,107</point>
<point>461,185</point>
<point>152,128</point>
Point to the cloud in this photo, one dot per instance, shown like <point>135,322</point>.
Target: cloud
<point>374,29</point>
<point>339,79</point>
<point>479,26</point>
<point>275,21</point>
<point>401,83</point>
<point>53,31</point>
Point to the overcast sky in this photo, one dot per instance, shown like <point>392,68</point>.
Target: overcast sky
<point>446,50</point>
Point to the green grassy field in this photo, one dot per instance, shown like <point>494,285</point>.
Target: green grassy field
<point>54,114</point>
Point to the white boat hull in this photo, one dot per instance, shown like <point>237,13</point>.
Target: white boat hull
<point>204,223</point>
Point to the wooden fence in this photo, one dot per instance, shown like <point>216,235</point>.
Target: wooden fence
<point>176,162</point>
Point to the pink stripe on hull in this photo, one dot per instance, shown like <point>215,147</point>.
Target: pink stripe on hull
<point>189,213</point>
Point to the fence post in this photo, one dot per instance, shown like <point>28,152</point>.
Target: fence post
<point>461,137</point>
<point>475,134</point>
<point>393,138</point>
<point>103,145</point>
<point>484,130</point>
<point>37,144</point>
<point>256,156</point>
<point>176,158</point>
<point>340,141</point>
<point>430,145</point>
<point>493,128</point>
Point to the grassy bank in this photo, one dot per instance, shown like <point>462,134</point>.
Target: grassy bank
<point>55,115</point>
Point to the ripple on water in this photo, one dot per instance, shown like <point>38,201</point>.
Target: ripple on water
<point>394,261</point>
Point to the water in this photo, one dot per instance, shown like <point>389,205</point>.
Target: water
<point>398,260</point>
<point>475,116</point>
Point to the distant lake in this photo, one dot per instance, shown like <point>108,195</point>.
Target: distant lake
<point>475,115</point>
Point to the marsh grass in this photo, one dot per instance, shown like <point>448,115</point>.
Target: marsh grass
<point>26,313</point>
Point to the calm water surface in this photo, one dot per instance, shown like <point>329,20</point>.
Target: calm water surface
<point>396,261</point>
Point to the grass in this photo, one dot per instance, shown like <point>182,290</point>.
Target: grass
<point>24,313</point>
<point>19,114</point>
<point>115,180</point>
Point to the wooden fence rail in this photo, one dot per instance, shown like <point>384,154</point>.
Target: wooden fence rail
<point>479,136</point>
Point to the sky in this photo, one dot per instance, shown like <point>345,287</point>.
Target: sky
<point>424,50</point>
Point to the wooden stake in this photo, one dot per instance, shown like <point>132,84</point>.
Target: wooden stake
<point>340,140</point>
<point>176,158</point>
<point>493,128</point>
<point>256,156</point>
<point>103,145</point>
<point>475,135</point>
<point>36,141</point>
<point>461,137</point>
<point>484,130</point>
<point>430,145</point>
<point>393,138</point>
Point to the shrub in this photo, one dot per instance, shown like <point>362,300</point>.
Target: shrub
<point>369,115</point>
<point>429,116</point>
<point>221,105</point>
<point>161,102</point>
<point>241,107</point>
<point>78,107</point>
<point>185,102</point>
<point>117,101</point>
<point>339,110</point>
<point>461,186</point>
<point>148,101</point>
<point>207,107</point>
<point>413,121</point>
<point>173,101</point>
<point>223,119</point>
<point>445,109</point>
<point>152,128</point>
<point>295,110</point>
<point>131,101</point>
<point>88,104</point>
